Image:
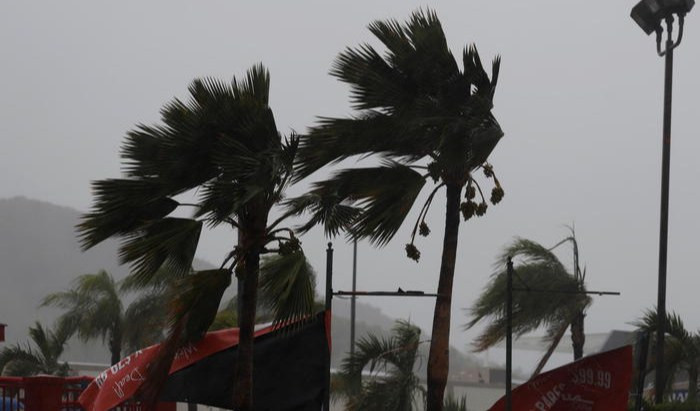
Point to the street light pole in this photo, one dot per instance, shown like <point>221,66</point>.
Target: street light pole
<point>650,15</point>
<point>663,224</point>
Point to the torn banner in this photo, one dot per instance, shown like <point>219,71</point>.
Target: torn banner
<point>289,371</point>
<point>599,382</point>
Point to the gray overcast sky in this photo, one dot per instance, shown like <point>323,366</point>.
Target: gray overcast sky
<point>579,99</point>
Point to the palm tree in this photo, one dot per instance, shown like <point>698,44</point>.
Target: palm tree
<point>94,309</point>
<point>426,119</point>
<point>223,144</point>
<point>682,349</point>
<point>393,386</point>
<point>18,360</point>
<point>560,308</point>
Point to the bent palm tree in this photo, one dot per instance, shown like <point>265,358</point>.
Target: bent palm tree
<point>26,361</point>
<point>94,309</point>
<point>682,349</point>
<point>393,386</point>
<point>426,119</point>
<point>540,270</point>
<point>223,143</point>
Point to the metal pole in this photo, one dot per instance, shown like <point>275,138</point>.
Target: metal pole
<point>663,226</point>
<point>509,334</point>
<point>353,298</point>
<point>642,348</point>
<point>329,299</point>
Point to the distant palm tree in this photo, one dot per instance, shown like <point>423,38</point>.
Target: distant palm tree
<point>427,120</point>
<point>455,404</point>
<point>222,145</point>
<point>392,386</point>
<point>682,349</point>
<point>538,269</point>
<point>94,309</point>
<point>43,358</point>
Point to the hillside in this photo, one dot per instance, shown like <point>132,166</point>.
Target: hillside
<point>39,254</point>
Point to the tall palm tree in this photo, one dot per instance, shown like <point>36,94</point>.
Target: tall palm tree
<point>43,358</point>
<point>540,271</point>
<point>94,309</point>
<point>682,349</point>
<point>426,119</point>
<point>224,146</point>
<point>392,386</point>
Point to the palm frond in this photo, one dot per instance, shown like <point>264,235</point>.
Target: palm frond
<point>170,241</point>
<point>384,196</point>
<point>120,207</point>
<point>395,357</point>
<point>146,318</point>
<point>545,295</point>
<point>287,286</point>
<point>196,301</point>
<point>529,252</point>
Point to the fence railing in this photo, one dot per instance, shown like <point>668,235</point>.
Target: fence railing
<point>49,393</point>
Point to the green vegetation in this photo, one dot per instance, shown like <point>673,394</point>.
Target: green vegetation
<point>426,120</point>
<point>42,358</point>
<point>223,145</point>
<point>682,349</point>
<point>540,270</point>
<point>391,384</point>
<point>94,309</point>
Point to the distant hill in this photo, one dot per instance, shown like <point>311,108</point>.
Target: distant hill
<point>39,254</point>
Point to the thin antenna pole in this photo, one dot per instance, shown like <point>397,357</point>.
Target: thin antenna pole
<point>509,335</point>
<point>353,298</point>
<point>329,299</point>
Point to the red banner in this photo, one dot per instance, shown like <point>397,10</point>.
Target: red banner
<point>599,382</point>
<point>119,382</point>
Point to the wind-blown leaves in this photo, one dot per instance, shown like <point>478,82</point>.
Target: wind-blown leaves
<point>93,308</point>
<point>17,360</point>
<point>545,295</point>
<point>170,241</point>
<point>221,144</point>
<point>681,348</point>
<point>366,202</point>
<point>288,287</point>
<point>414,104</point>
<point>394,386</point>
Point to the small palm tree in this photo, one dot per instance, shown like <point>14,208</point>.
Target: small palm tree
<point>682,349</point>
<point>43,358</point>
<point>455,404</point>
<point>392,385</point>
<point>559,308</point>
<point>223,145</point>
<point>427,120</point>
<point>94,309</point>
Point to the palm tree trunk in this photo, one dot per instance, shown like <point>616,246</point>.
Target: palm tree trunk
<point>251,238</point>
<point>550,350</point>
<point>692,383</point>
<point>115,344</point>
<point>578,338</point>
<point>243,375</point>
<point>439,357</point>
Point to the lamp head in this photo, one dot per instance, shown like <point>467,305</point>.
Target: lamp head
<point>650,13</point>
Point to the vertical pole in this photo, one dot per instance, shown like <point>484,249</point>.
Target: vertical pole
<point>642,348</point>
<point>353,298</point>
<point>509,334</point>
<point>329,299</point>
<point>663,226</point>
